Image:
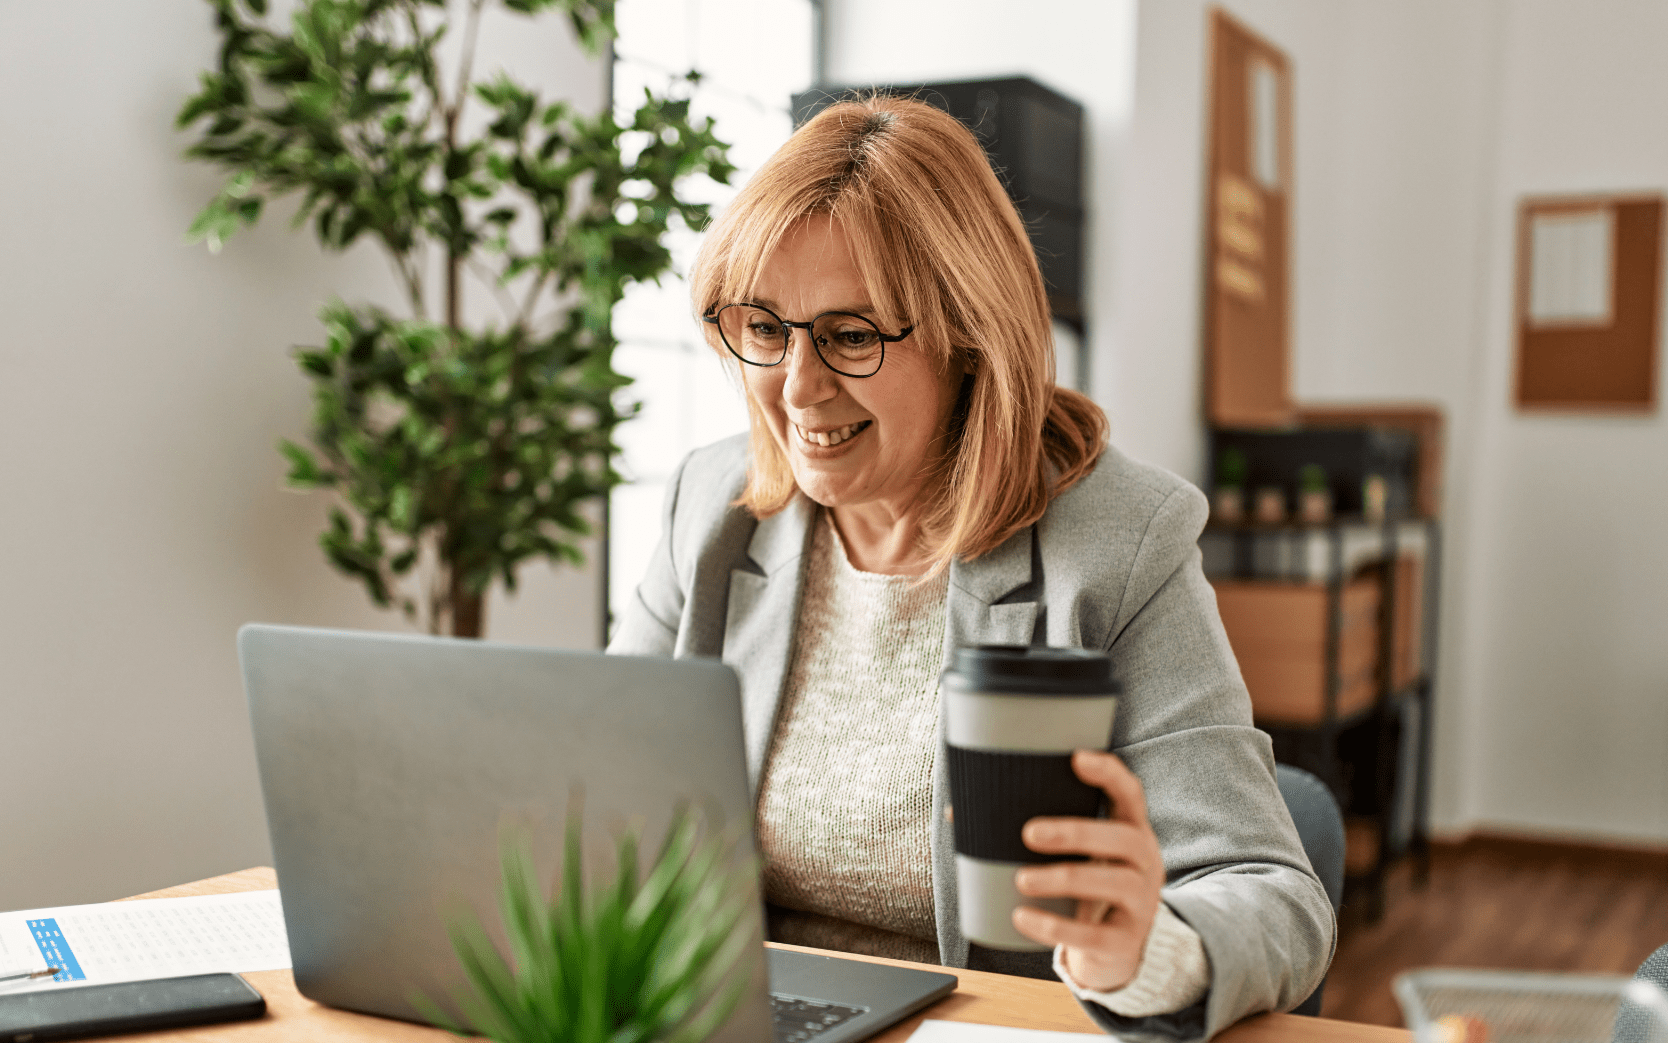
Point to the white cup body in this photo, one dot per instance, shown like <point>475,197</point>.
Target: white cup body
<point>988,896</point>
<point>1015,723</point>
<point>1028,723</point>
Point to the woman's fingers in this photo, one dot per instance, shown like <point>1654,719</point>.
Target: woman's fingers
<point>1107,771</point>
<point>1098,955</point>
<point>1103,882</point>
<point>1111,937</point>
<point>1117,892</point>
<point>1095,837</point>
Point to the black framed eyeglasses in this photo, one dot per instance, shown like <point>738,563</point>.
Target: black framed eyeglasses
<point>848,344</point>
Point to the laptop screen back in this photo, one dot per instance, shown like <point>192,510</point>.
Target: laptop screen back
<point>392,764</point>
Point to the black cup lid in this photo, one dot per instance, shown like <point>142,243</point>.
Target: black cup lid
<point>1033,670</point>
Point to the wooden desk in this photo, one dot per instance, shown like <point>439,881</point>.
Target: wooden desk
<point>995,999</point>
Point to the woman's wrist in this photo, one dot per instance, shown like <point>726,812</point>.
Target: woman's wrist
<point>1174,972</point>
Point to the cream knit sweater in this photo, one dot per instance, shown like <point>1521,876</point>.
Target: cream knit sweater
<point>847,786</point>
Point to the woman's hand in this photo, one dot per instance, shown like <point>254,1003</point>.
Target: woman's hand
<point>1117,891</point>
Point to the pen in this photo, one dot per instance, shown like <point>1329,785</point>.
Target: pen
<point>15,975</point>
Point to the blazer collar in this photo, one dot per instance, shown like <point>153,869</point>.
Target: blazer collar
<point>987,603</point>
<point>781,539</point>
<point>759,622</point>
<point>999,573</point>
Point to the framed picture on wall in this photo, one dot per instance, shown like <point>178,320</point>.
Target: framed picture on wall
<point>1589,278</point>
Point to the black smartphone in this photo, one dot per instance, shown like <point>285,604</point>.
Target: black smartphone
<point>129,1006</point>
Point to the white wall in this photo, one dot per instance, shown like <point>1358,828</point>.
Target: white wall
<point>143,384</point>
<point>1568,665</point>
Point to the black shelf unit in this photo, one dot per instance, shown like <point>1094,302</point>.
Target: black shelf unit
<point>1376,759</point>
<point>1035,139</point>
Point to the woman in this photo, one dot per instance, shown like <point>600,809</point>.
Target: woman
<point>914,481</point>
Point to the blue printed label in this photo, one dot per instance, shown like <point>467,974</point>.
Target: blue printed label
<point>55,950</point>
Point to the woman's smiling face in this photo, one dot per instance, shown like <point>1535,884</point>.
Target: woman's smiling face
<point>851,441</point>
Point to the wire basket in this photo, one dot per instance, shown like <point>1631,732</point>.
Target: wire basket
<point>1465,1006</point>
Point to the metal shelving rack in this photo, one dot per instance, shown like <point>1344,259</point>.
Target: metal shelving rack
<point>1363,756</point>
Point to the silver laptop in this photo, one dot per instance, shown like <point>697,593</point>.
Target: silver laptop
<point>390,765</point>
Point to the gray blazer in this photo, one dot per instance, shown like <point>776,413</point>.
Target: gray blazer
<point>1113,564</point>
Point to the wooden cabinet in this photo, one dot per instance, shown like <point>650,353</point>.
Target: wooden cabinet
<point>1279,632</point>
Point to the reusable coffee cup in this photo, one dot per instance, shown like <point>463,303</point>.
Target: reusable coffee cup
<point>1013,715</point>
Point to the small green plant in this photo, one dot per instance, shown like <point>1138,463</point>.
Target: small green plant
<point>1231,469</point>
<point>1311,478</point>
<point>665,958</point>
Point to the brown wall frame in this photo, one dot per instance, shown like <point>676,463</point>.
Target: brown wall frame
<point>1608,368</point>
<point>1247,247</point>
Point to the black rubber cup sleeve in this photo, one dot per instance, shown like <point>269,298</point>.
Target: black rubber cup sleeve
<point>993,793</point>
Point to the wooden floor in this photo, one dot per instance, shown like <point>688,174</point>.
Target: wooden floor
<point>1502,904</point>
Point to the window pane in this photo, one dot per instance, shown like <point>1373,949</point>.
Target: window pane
<point>753,55</point>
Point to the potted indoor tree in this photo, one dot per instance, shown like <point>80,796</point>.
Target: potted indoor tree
<point>456,452</point>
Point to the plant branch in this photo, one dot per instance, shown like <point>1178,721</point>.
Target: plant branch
<point>465,69</point>
<point>525,315</point>
<point>412,277</point>
<point>439,585</point>
<point>454,316</point>
<point>426,62</point>
<point>506,300</point>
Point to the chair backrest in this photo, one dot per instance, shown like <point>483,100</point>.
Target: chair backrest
<point>1655,969</point>
<point>1637,1023</point>
<point>1320,827</point>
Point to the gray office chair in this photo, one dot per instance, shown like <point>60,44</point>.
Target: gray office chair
<point>1634,1023</point>
<point>1320,826</point>
<point>1655,969</point>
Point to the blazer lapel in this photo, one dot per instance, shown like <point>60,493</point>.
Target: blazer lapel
<point>976,612</point>
<point>759,622</point>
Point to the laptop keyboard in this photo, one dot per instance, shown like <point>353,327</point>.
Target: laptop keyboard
<point>798,1020</point>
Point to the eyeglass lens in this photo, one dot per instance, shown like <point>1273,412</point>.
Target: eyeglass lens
<point>850,344</point>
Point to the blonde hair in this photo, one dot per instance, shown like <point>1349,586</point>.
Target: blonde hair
<point>939,246</point>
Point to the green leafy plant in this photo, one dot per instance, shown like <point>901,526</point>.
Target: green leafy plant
<point>1311,478</point>
<point>1232,469</point>
<point>664,958</point>
<point>467,450</point>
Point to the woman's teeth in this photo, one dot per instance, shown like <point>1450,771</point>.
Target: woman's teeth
<point>834,437</point>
